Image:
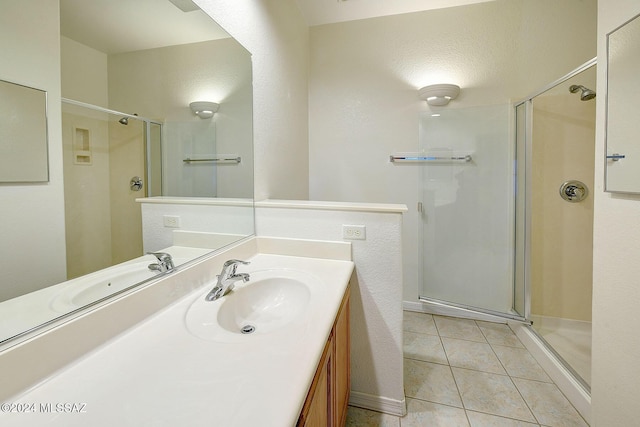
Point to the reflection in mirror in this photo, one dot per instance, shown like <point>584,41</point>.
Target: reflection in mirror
<point>23,134</point>
<point>622,171</point>
<point>140,167</point>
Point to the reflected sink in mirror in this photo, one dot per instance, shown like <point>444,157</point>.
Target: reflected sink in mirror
<point>272,301</point>
<point>93,287</point>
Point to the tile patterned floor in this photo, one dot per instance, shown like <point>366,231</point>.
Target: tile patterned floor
<point>466,373</point>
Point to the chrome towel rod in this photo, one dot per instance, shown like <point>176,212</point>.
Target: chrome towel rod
<point>410,158</point>
<point>215,159</point>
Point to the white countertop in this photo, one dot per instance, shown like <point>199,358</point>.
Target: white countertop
<point>160,374</point>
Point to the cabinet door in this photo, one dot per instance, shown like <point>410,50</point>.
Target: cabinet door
<point>318,408</point>
<point>342,362</point>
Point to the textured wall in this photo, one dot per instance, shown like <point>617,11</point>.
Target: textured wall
<point>616,348</point>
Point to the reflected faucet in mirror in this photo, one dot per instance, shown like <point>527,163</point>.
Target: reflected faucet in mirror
<point>164,264</point>
<point>227,279</point>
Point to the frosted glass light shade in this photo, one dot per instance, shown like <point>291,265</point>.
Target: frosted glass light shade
<point>440,94</point>
<point>204,109</point>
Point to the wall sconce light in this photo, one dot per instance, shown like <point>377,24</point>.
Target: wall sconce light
<point>204,109</point>
<point>439,95</point>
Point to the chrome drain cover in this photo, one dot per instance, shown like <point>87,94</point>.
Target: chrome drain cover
<point>247,329</point>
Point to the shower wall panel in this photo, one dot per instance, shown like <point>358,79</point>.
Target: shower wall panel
<point>562,232</point>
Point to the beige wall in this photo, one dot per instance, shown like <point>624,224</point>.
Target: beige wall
<point>365,75</point>
<point>561,237</point>
<point>616,270</point>
<point>32,232</point>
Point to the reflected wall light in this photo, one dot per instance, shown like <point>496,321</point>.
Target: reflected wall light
<point>439,95</point>
<point>204,109</point>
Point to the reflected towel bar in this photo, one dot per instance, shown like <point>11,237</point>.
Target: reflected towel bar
<point>466,158</point>
<point>615,157</point>
<point>216,159</point>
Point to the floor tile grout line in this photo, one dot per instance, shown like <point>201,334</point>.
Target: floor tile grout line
<point>524,400</point>
<point>426,361</point>
<point>497,357</point>
<point>438,403</point>
<point>502,416</point>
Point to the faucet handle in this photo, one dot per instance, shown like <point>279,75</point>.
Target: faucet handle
<point>235,261</point>
<point>232,264</point>
<point>162,256</point>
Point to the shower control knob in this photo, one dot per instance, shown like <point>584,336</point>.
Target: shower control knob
<point>135,184</point>
<point>574,191</point>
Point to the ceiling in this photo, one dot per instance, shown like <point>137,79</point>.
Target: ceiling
<point>115,26</point>
<point>318,12</point>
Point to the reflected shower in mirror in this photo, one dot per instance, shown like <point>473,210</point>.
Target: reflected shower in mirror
<point>622,171</point>
<point>127,131</point>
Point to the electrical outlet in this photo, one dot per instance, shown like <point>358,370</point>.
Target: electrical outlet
<point>354,232</point>
<point>171,221</point>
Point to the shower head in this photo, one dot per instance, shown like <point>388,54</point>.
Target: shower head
<point>125,120</point>
<point>585,95</point>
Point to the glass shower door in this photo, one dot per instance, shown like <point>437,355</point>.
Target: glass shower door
<point>467,218</point>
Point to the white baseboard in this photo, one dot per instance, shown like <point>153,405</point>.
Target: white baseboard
<point>378,403</point>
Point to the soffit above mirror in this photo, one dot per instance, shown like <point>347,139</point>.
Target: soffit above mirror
<point>117,26</point>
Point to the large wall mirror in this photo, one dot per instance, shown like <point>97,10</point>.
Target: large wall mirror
<point>622,171</point>
<point>143,170</point>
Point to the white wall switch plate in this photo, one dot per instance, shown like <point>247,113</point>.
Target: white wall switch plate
<point>354,232</point>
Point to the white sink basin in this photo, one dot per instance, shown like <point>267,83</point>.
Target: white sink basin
<point>272,300</point>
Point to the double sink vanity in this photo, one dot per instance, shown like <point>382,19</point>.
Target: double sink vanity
<point>274,351</point>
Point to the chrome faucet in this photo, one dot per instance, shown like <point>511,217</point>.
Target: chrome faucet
<point>164,264</point>
<point>227,279</point>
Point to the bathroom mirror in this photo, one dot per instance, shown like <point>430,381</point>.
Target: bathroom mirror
<point>127,80</point>
<point>622,170</point>
<point>23,134</point>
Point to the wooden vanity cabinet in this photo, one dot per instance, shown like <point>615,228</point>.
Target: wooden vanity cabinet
<point>328,397</point>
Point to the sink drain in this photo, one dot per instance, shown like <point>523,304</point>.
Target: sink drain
<point>247,329</point>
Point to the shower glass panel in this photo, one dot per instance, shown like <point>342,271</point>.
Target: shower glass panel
<point>468,209</point>
<point>194,140</point>
<point>561,237</point>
